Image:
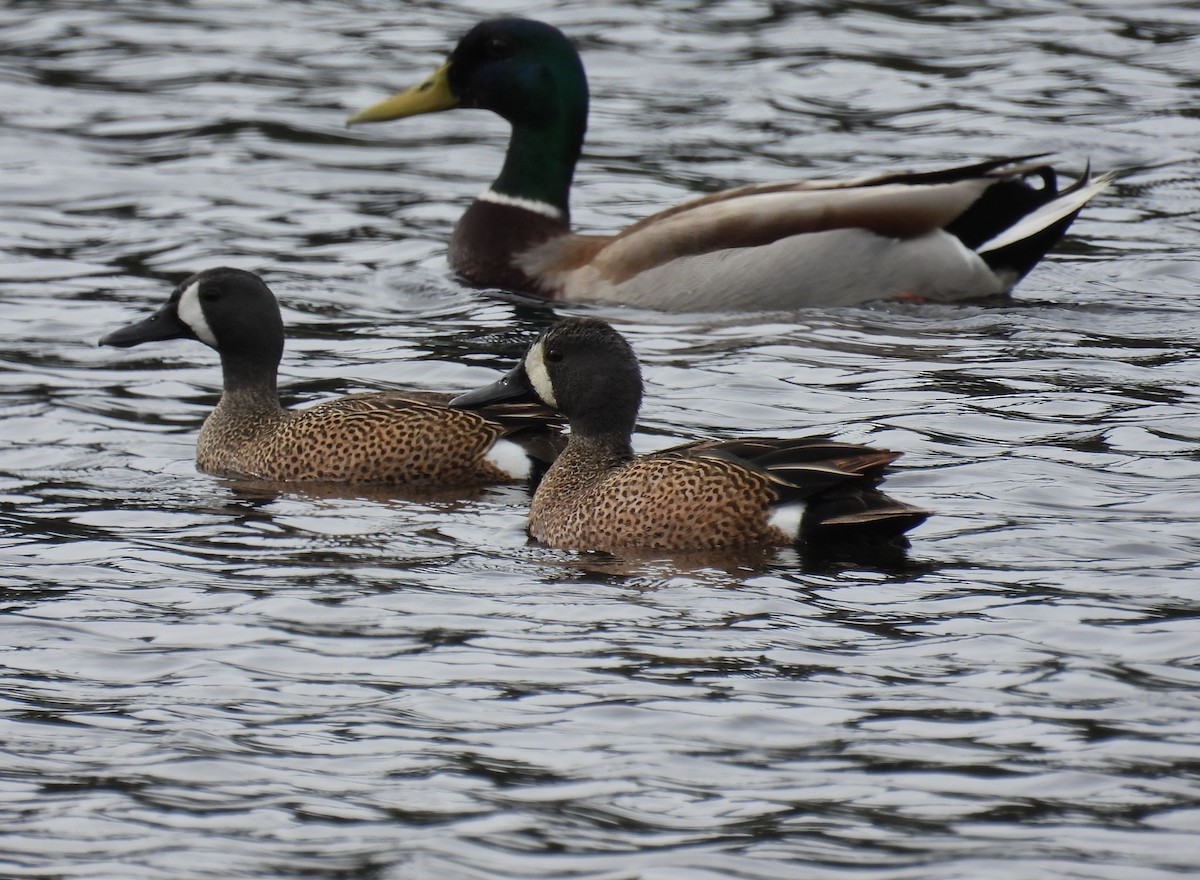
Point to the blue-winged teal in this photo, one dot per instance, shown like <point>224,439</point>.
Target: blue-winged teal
<point>409,438</point>
<point>945,235</point>
<point>701,496</point>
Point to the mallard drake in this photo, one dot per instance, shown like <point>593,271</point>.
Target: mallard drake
<point>410,438</point>
<point>702,496</point>
<point>962,232</point>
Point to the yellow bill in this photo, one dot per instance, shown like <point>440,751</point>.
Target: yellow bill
<point>430,96</point>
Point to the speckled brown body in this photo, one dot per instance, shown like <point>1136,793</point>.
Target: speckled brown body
<point>364,438</point>
<point>392,437</point>
<point>676,500</point>
<point>750,492</point>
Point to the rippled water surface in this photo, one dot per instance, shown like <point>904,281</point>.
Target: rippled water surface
<point>212,680</point>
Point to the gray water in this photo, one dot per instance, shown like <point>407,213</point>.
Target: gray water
<point>211,680</point>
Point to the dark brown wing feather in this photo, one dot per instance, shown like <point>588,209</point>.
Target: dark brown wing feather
<point>837,480</point>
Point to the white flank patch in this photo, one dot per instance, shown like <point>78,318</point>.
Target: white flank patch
<point>543,208</point>
<point>539,377</point>
<point>787,517</point>
<point>192,314</point>
<point>511,459</point>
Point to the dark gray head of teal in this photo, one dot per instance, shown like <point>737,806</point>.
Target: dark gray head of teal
<point>230,310</point>
<point>581,367</point>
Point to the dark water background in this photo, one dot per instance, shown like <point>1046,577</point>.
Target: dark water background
<point>207,680</point>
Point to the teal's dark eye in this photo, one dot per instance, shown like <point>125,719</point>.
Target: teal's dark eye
<point>554,355</point>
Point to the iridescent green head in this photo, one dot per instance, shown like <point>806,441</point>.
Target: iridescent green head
<point>527,72</point>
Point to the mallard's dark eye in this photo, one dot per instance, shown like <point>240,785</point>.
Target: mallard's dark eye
<point>496,47</point>
<point>554,355</point>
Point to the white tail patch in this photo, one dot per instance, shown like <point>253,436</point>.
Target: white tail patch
<point>1047,215</point>
<point>191,313</point>
<point>543,208</point>
<point>787,518</point>
<point>539,376</point>
<point>510,458</point>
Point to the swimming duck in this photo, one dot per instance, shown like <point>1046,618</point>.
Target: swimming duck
<point>377,437</point>
<point>962,232</point>
<point>702,496</point>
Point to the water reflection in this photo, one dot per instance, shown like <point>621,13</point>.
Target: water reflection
<point>212,679</point>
